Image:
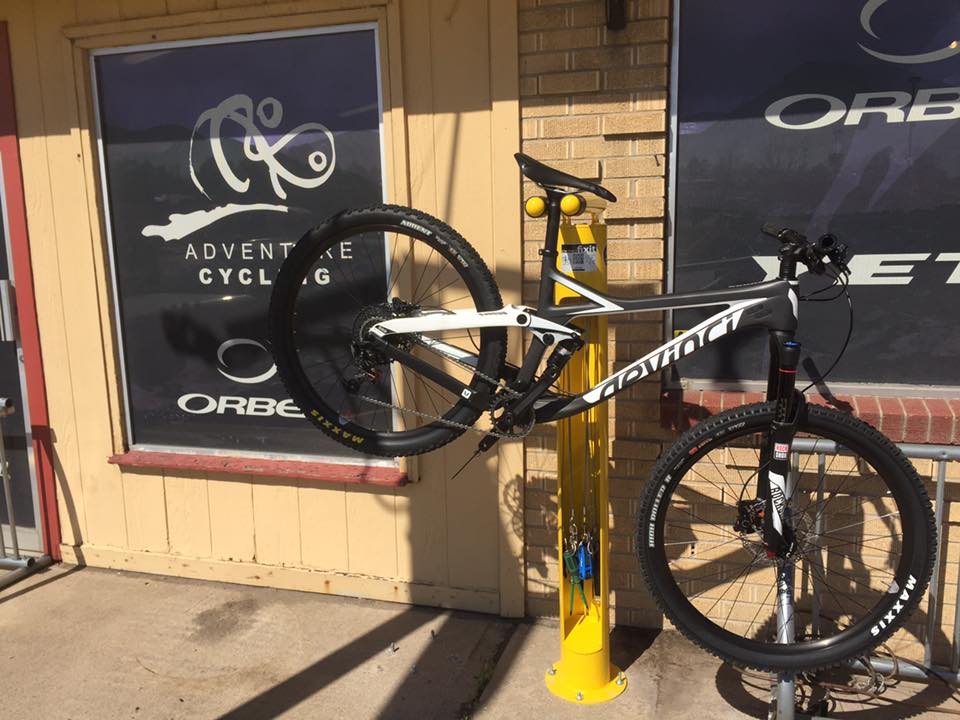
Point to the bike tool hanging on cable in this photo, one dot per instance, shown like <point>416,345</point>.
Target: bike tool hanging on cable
<point>587,547</point>
<point>574,543</point>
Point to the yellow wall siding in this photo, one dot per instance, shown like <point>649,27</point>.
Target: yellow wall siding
<point>188,514</point>
<point>231,518</point>
<point>450,101</point>
<point>145,510</point>
<point>323,525</point>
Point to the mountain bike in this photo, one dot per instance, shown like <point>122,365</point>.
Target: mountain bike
<point>390,334</point>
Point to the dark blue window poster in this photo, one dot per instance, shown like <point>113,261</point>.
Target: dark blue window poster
<point>825,117</point>
<point>217,156</point>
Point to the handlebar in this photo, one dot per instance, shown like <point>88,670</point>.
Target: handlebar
<point>815,255</point>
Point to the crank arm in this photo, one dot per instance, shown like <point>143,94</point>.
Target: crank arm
<point>555,363</point>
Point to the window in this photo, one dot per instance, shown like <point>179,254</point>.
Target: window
<point>824,116</point>
<point>217,155</point>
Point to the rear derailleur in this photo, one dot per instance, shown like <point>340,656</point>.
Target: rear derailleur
<point>368,358</point>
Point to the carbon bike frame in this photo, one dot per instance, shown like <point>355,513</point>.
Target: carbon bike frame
<point>772,305</point>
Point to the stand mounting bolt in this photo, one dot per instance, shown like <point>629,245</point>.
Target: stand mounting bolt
<point>620,678</point>
<point>579,696</point>
<point>552,671</point>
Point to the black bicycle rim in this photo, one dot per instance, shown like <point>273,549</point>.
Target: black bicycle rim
<point>374,428</point>
<point>718,609</point>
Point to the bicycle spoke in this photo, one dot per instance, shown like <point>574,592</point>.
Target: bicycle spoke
<point>723,595</point>
<point>760,607</point>
<point>722,491</point>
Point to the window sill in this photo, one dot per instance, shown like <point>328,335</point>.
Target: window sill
<point>263,467</point>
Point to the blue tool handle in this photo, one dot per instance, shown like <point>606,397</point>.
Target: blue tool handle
<point>585,561</point>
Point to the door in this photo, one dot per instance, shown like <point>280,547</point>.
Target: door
<point>16,426</point>
<point>26,433</point>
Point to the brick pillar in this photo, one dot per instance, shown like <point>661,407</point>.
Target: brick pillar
<point>594,104</point>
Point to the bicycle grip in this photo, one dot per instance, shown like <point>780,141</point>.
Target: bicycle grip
<point>771,230</point>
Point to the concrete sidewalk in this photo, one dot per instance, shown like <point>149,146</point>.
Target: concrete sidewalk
<point>95,644</point>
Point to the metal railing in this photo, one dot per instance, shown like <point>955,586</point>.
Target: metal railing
<point>11,559</point>
<point>782,700</point>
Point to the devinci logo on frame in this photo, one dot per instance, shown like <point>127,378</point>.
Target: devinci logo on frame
<point>706,332</point>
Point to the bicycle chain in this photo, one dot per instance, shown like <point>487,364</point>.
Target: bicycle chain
<point>427,416</point>
<point>451,423</point>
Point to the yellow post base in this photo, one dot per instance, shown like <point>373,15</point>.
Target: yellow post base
<point>564,684</point>
<point>584,673</point>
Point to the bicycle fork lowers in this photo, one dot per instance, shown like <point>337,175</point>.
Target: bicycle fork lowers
<point>773,477</point>
<point>769,513</point>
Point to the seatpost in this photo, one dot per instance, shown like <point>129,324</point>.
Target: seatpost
<point>548,254</point>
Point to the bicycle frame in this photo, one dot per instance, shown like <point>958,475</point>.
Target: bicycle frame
<point>771,304</point>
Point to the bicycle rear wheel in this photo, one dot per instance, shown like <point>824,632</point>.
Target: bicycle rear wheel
<point>361,267</point>
<point>862,558</point>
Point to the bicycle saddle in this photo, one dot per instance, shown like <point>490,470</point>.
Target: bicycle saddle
<point>544,175</point>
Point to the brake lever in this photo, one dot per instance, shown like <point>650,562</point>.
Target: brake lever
<point>783,234</point>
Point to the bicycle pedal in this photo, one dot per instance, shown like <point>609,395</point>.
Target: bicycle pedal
<point>486,443</point>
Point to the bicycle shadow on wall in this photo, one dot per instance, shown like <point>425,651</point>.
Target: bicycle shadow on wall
<point>638,439</point>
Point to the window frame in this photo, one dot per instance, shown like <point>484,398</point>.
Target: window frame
<point>219,27</point>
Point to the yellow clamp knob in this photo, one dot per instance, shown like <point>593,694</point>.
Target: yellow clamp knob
<point>535,207</point>
<point>572,205</point>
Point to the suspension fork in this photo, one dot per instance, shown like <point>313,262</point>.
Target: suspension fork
<point>775,446</point>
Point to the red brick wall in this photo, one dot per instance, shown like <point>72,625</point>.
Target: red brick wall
<point>921,420</point>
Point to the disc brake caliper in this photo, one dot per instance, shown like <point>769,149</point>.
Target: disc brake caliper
<point>749,516</point>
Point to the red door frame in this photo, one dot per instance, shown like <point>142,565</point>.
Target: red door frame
<point>49,519</point>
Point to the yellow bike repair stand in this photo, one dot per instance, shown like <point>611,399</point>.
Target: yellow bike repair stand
<point>584,674</point>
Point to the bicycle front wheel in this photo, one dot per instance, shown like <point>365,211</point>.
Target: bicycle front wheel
<point>863,551</point>
<point>357,269</point>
